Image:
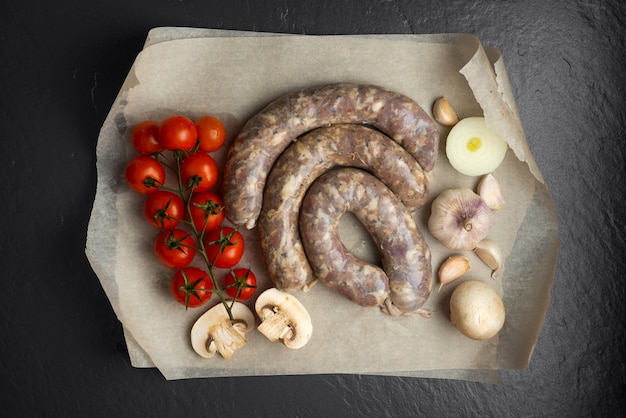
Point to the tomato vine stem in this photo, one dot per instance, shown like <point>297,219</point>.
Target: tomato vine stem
<point>185,192</point>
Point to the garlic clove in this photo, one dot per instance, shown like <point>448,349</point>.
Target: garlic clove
<point>490,254</point>
<point>453,268</point>
<point>443,113</point>
<point>491,192</point>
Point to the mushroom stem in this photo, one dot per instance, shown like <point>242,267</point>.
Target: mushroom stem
<point>225,338</point>
<point>284,318</point>
<point>214,332</point>
<point>276,327</point>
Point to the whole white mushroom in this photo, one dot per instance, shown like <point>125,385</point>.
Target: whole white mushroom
<point>476,310</point>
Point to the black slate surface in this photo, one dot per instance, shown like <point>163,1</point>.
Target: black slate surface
<point>62,351</point>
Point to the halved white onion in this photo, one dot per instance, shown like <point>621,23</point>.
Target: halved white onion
<point>473,149</point>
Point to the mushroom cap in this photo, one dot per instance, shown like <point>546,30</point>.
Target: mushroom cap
<point>295,321</point>
<point>477,310</point>
<point>216,324</point>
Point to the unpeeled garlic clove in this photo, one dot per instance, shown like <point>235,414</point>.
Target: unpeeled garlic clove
<point>490,254</point>
<point>489,189</point>
<point>443,113</point>
<point>452,269</point>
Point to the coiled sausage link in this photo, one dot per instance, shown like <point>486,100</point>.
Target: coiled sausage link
<point>270,131</point>
<point>404,253</point>
<point>305,160</point>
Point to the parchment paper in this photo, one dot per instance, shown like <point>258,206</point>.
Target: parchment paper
<point>233,75</point>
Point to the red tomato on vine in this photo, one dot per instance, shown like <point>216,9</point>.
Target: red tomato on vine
<point>224,247</point>
<point>145,137</point>
<point>199,170</point>
<point>211,133</point>
<point>240,283</point>
<point>164,209</point>
<point>145,174</point>
<point>191,287</point>
<point>207,210</point>
<point>174,248</point>
<point>178,133</point>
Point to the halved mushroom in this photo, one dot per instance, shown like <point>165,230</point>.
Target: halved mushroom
<point>215,332</point>
<point>283,318</point>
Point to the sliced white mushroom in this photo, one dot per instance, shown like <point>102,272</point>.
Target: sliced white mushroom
<point>215,332</point>
<point>283,318</point>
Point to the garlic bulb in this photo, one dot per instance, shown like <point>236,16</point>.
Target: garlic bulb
<point>489,189</point>
<point>454,267</point>
<point>489,252</point>
<point>459,219</point>
<point>443,112</point>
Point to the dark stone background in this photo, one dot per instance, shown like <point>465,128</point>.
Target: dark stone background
<point>62,352</point>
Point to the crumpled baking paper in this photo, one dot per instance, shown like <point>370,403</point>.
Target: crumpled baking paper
<point>233,75</point>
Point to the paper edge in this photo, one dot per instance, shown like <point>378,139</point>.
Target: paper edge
<point>495,93</point>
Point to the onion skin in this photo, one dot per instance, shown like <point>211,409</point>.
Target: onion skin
<point>459,219</point>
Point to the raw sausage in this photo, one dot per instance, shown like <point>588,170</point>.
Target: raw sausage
<point>266,135</point>
<point>404,253</point>
<point>406,264</point>
<point>304,161</point>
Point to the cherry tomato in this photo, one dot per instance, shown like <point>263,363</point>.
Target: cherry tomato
<point>146,137</point>
<point>207,210</point>
<point>211,133</point>
<point>224,247</point>
<point>240,284</point>
<point>174,248</point>
<point>178,132</point>
<point>201,169</point>
<point>164,209</point>
<point>144,174</point>
<point>191,287</point>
